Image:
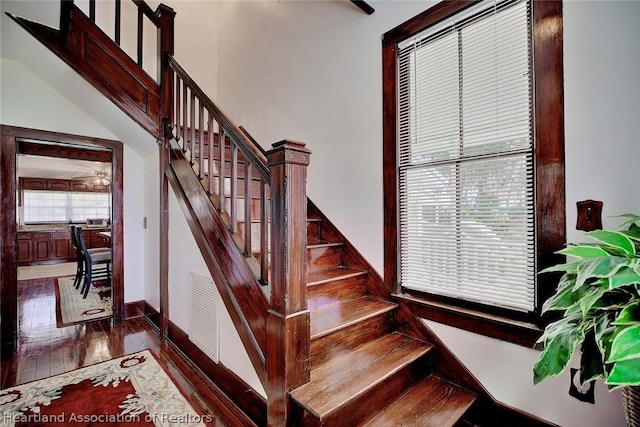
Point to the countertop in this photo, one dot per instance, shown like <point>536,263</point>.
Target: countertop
<point>57,227</point>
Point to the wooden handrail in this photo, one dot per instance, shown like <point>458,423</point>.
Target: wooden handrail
<point>148,12</point>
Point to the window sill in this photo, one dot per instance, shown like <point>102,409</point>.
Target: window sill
<point>493,326</point>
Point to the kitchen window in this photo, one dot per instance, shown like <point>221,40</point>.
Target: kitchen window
<point>60,206</point>
<point>473,140</point>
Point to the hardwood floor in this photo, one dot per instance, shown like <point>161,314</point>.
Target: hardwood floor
<point>45,350</point>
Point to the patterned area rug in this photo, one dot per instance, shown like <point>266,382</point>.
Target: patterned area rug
<point>131,390</point>
<point>72,308</point>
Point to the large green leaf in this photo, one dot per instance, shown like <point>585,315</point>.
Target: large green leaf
<point>614,239</point>
<point>626,345</point>
<point>560,340</point>
<point>625,372</point>
<point>624,276</point>
<point>584,251</point>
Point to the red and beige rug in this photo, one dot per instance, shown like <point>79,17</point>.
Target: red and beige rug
<point>132,390</point>
<point>72,308</point>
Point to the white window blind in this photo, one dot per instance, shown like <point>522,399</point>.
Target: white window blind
<point>57,206</point>
<point>466,159</point>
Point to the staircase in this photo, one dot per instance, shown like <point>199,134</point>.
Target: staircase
<point>363,357</point>
<point>334,346</point>
<point>365,369</point>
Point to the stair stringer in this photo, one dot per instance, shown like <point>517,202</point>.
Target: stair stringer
<point>237,285</point>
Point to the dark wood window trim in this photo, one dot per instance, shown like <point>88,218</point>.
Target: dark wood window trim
<point>15,140</point>
<point>549,175</point>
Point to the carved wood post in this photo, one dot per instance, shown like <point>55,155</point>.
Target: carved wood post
<point>288,330</point>
<point>166,16</point>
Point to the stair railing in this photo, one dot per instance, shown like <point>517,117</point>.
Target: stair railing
<point>232,169</point>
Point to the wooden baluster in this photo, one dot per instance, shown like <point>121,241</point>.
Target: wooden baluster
<point>211,169</point>
<point>201,141</point>
<point>288,330</point>
<point>65,19</point>
<point>118,13</point>
<point>247,208</point>
<point>192,123</point>
<point>184,117</point>
<point>265,207</point>
<point>221,168</point>
<point>140,35</point>
<point>177,108</point>
<point>92,10</point>
<point>234,188</point>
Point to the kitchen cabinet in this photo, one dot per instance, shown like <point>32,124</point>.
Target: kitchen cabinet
<point>25,251</point>
<point>50,247</point>
<point>61,246</point>
<point>33,183</point>
<point>44,247</point>
<point>26,183</point>
<point>41,246</point>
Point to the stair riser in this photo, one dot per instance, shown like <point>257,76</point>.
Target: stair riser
<point>346,339</point>
<point>360,409</point>
<point>324,257</point>
<point>337,290</point>
<point>314,232</point>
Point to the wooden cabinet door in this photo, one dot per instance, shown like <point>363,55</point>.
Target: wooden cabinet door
<point>42,249</point>
<point>58,184</point>
<point>25,251</point>
<point>61,246</point>
<point>34,183</point>
<point>80,186</point>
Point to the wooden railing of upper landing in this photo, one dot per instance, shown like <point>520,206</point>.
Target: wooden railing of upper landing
<point>246,208</point>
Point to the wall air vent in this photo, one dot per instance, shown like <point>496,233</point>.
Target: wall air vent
<point>203,324</point>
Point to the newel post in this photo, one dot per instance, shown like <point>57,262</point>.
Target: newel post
<point>288,330</point>
<point>166,17</point>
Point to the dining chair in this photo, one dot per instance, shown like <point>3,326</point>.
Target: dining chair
<point>79,255</point>
<point>97,264</point>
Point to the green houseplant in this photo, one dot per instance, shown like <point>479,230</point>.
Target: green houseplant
<point>599,297</point>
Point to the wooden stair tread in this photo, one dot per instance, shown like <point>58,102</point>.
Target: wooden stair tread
<point>430,403</point>
<point>319,277</point>
<point>340,381</point>
<point>324,245</point>
<point>344,313</point>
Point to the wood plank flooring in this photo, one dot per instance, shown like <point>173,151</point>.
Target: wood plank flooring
<point>45,350</point>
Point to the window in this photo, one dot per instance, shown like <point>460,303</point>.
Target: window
<point>54,206</point>
<point>466,156</point>
<point>473,144</point>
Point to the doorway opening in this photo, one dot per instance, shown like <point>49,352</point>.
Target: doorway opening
<point>52,145</point>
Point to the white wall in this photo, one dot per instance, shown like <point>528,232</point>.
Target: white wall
<point>152,232</point>
<point>311,70</point>
<point>602,108</point>
<point>185,258</point>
